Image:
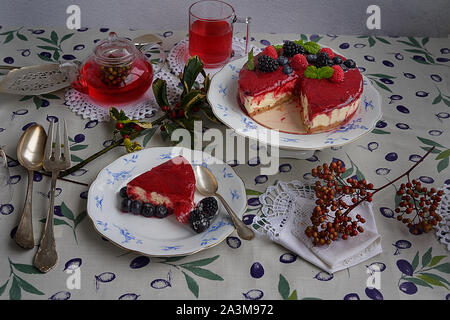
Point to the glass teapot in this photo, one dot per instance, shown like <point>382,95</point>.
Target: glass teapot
<point>116,71</point>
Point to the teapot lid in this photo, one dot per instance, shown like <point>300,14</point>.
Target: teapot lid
<point>115,50</point>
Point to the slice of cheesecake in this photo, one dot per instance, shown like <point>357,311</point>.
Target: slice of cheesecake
<point>171,184</point>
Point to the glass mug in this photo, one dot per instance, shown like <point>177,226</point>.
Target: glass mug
<point>5,186</point>
<point>116,71</point>
<point>211,31</point>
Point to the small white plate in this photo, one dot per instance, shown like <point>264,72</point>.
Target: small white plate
<point>153,236</point>
<point>223,98</point>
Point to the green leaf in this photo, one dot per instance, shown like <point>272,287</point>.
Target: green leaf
<point>191,70</point>
<point>382,40</point>
<point>311,72</point>
<point>436,277</point>
<point>37,102</point>
<point>312,47</point>
<point>3,288</point>
<point>27,286</point>
<point>445,267</point>
<point>431,280</point>
<point>435,151</point>
<point>325,72</point>
<point>250,65</point>
<point>57,222</point>
<point>381,75</point>
<point>75,158</point>
<point>419,282</point>
<point>14,291</point>
<point>47,40</point>
<point>381,85</point>
<point>425,41</point>
<point>26,268</point>
<point>303,37</point>
<point>437,99</point>
<point>174,259</point>
<point>426,258</point>
<point>436,260</point>
<point>66,212</point>
<point>293,295</point>
<point>414,41</point>
<point>191,99</point>
<point>311,298</point>
<point>21,36</point>
<point>443,164</point>
<point>283,287</point>
<point>50,96</point>
<point>78,147</point>
<point>8,38</point>
<point>26,98</point>
<point>443,154</point>
<point>56,55</point>
<point>54,37</point>
<point>447,102</point>
<point>80,217</point>
<point>251,192</point>
<point>45,58</point>
<point>408,43</point>
<point>204,273</point>
<point>378,131</point>
<point>149,136</point>
<point>48,48</point>
<point>67,36</point>
<point>415,261</point>
<point>416,51</point>
<point>159,87</point>
<point>202,262</point>
<point>371,41</point>
<point>192,284</point>
<point>430,142</point>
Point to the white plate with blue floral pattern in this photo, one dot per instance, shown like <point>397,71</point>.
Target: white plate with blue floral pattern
<point>223,98</point>
<point>153,236</point>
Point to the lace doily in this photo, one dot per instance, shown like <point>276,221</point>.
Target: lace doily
<point>443,228</point>
<point>179,54</point>
<point>145,107</point>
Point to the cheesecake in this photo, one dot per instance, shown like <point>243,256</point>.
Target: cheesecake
<point>170,184</point>
<point>325,86</point>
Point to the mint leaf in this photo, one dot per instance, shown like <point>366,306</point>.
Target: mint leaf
<point>311,47</point>
<point>251,61</point>
<point>311,72</point>
<point>325,72</point>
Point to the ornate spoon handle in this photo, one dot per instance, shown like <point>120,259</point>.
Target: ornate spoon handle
<point>24,233</point>
<point>46,257</point>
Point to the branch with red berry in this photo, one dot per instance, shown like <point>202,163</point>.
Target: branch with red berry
<point>330,219</point>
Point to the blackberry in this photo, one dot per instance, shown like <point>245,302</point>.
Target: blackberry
<point>349,63</point>
<point>290,49</point>
<point>267,64</point>
<point>161,211</point>
<point>322,59</point>
<point>209,207</point>
<point>337,60</point>
<point>198,221</point>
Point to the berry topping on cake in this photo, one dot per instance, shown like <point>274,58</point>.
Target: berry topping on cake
<point>287,69</point>
<point>322,59</point>
<point>299,62</point>
<point>148,210</point>
<point>161,211</point>
<point>271,52</point>
<point>338,74</point>
<point>337,60</point>
<point>198,221</point>
<point>311,58</point>
<point>136,207</point>
<point>290,49</point>
<point>282,60</point>
<point>267,64</point>
<point>125,205</point>
<point>349,63</point>
<point>328,51</point>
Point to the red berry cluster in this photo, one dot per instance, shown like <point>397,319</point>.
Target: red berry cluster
<point>127,129</point>
<point>330,217</point>
<point>176,112</point>
<point>418,205</point>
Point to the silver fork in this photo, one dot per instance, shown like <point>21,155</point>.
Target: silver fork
<point>54,161</point>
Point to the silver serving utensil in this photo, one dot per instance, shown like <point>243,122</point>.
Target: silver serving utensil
<point>54,161</point>
<point>207,185</point>
<point>30,154</point>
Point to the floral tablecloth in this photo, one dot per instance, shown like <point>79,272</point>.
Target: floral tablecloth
<point>412,76</point>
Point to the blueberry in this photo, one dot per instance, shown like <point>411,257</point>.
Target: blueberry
<point>343,67</point>
<point>125,205</point>
<point>311,58</point>
<point>349,63</point>
<point>282,60</point>
<point>148,210</point>
<point>287,69</point>
<point>136,207</point>
<point>123,192</point>
<point>330,62</point>
<point>337,60</point>
<point>161,211</point>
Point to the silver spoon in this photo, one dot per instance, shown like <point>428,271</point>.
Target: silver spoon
<point>207,185</point>
<point>30,154</point>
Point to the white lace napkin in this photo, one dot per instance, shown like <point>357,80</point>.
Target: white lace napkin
<point>443,228</point>
<point>285,212</point>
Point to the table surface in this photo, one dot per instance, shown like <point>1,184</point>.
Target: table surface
<point>412,76</point>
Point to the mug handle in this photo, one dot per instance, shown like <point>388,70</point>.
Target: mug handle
<point>247,21</point>
<point>152,48</point>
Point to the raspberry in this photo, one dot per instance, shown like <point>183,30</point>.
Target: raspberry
<point>328,51</point>
<point>271,52</point>
<point>338,74</point>
<point>299,62</point>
